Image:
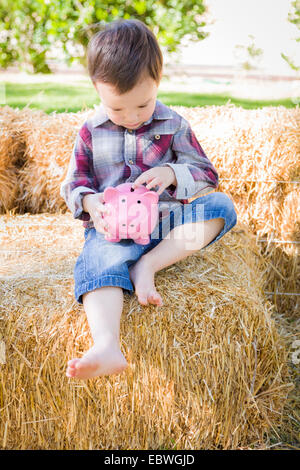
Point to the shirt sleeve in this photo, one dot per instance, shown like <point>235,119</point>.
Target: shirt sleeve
<point>194,172</point>
<point>80,179</point>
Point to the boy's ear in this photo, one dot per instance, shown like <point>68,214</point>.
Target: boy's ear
<point>94,83</point>
<point>160,77</point>
<point>95,86</point>
<point>152,196</point>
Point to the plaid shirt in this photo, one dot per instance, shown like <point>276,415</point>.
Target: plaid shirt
<point>105,155</point>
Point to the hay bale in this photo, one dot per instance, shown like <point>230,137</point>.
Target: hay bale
<point>244,145</point>
<point>248,146</point>
<point>257,154</point>
<point>49,140</point>
<point>257,150</point>
<point>206,371</point>
<point>11,153</point>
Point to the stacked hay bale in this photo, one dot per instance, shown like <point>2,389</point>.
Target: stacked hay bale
<point>217,335</point>
<point>11,159</point>
<point>48,145</point>
<point>257,154</point>
<point>206,371</point>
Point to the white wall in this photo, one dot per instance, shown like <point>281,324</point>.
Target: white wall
<point>234,20</point>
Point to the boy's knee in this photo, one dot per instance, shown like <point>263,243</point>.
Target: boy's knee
<point>224,202</point>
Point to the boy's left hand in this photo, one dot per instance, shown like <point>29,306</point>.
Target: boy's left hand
<point>162,176</point>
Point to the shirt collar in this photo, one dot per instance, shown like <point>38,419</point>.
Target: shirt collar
<point>161,111</point>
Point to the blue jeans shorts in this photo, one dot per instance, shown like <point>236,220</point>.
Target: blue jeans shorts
<point>103,263</point>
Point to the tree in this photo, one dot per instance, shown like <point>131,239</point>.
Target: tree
<point>34,31</point>
<point>293,17</point>
<point>249,56</point>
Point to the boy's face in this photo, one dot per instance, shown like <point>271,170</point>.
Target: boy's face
<point>132,108</point>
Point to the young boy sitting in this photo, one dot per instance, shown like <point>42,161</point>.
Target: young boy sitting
<point>133,137</point>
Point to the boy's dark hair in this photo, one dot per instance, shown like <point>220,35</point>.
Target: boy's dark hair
<point>122,52</point>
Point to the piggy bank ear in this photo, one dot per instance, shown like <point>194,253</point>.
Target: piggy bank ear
<point>151,196</point>
<point>110,194</point>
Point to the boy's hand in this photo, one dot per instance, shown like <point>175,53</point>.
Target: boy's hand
<point>162,176</point>
<point>93,204</point>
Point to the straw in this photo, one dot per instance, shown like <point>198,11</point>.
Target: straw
<point>208,370</point>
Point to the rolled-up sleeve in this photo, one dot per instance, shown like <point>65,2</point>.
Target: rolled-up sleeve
<point>194,172</point>
<point>79,180</point>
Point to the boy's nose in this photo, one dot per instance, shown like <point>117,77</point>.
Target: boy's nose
<point>132,119</point>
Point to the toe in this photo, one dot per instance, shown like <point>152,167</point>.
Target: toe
<point>143,299</point>
<point>70,372</point>
<point>151,298</point>
<point>72,367</point>
<point>155,298</point>
<point>72,364</point>
<point>86,365</point>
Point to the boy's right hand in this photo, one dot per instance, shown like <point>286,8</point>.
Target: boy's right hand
<point>93,204</point>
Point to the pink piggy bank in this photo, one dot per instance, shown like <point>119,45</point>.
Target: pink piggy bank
<point>133,213</point>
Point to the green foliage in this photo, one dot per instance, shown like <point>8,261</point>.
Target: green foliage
<point>290,62</point>
<point>293,17</point>
<point>250,54</point>
<point>34,31</point>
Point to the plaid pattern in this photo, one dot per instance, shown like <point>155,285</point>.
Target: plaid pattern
<point>105,155</point>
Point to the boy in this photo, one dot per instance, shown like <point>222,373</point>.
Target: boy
<point>134,138</point>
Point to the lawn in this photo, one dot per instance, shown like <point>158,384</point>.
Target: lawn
<point>72,97</point>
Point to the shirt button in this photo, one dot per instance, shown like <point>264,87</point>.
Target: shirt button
<point>157,137</point>
<point>130,161</point>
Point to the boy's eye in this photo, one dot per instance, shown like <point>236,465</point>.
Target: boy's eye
<point>142,106</point>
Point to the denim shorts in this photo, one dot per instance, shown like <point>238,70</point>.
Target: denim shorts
<point>104,263</point>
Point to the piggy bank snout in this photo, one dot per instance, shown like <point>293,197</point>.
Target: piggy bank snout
<point>128,225</point>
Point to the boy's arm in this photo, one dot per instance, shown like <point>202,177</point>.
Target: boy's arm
<point>80,179</point>
<point>194,172</point>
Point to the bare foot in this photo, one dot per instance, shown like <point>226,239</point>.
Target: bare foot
<point>142,276</point>
<point>101,359</point>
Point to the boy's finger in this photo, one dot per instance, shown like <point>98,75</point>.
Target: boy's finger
<point>154,182</point>
<point>135,184</point>
<point>103,208</point>
<point>160,190</point>
<point>140,180</point>
<point>101,228</point>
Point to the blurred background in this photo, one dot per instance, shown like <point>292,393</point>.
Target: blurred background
<point>245,51</point>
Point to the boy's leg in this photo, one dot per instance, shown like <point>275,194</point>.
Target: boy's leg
<point>211,215</point>
<point>181,242</point>
<point>103,307</point>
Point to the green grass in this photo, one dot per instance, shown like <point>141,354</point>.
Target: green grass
<point>75,97</point>
<point>195,99</point>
